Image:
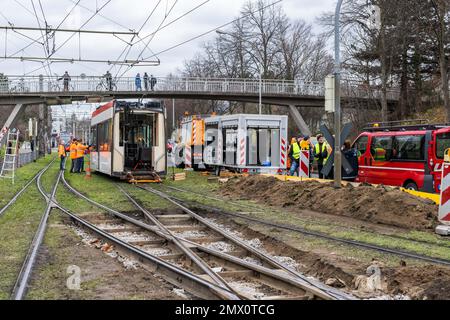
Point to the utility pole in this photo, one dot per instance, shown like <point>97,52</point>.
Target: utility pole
<point>337,112</point>
<point>260,92</point>
<point>173,114</point>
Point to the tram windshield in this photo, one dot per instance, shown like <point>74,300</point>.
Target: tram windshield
<point>137,136</point>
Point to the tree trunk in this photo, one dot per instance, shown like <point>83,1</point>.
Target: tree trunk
<point>443,60</point>
<point>384,76</point>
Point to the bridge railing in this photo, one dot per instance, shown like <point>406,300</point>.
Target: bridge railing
<point>90,84</point>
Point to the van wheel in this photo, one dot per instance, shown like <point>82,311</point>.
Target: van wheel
<point>411,186</point>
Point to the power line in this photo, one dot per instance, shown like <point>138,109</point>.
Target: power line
<point>173,21</point>
<point>34,41</point>
<point>129,46</point>
<point>102,16</point>
<point>148,42</point>
<point>26,9</point>
<point>45,44</point>
<point>213,30</point>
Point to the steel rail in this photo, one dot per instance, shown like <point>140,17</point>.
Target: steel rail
<point>21,285</point>
<point>256,209</point>
<point>210,197</point>
<point>316,288</point>
<point>169,270</point>
<point>187,251</point>
<point>304,284</point>
<point>365,245</point>
<point>25,187</point>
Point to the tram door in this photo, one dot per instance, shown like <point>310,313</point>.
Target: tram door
<point>137,137</point>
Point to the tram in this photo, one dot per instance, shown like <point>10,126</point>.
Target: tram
<point>128,139</point>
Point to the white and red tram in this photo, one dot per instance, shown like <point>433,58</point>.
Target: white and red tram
<point>129,140</point>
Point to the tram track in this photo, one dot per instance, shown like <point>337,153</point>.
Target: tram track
<point>24,188</point>
<point>284,226</point>
<point>219,269</point>
<point>21,285</point>
<point>354,243</point>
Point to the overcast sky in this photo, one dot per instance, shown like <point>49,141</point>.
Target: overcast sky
<point>118,15</point>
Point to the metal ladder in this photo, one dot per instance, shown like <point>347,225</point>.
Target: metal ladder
<point>10,158</point>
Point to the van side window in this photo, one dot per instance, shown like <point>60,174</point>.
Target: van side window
<point>381,148</point>
<point>361,144</point>
<point>409,148</point>
<point>442,144</point>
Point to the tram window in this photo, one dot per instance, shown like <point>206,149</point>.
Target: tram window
<point>93,140</point>
<point>105,136</point>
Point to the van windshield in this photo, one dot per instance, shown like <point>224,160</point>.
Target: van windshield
<point>442,144</point>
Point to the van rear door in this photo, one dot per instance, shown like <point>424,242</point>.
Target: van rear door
<point>441,142</point>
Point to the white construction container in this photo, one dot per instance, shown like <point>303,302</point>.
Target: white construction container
<point>247,143</point>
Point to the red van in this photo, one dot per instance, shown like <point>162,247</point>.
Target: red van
<point>407,156</point>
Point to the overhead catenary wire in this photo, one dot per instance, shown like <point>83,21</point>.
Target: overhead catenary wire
<point>212,30</point>
<point>171,22</point>
<point>148,42</point>
<point>130,46</point>
<point>37,40</point>
<point>45,44</point>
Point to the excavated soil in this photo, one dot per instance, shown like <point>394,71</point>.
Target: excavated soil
<point>426,282</point>
<point>380,204</point>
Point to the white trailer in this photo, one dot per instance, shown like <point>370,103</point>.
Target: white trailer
<point>247,143</point>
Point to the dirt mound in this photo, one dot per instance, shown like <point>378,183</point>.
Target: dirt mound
<point>431,283</point>
<point>375,204</point>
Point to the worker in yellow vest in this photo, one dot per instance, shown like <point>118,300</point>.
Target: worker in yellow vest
<point>62,155</point>
<point>289,160</point>
<point>73,154</point>
<point>321,154</point>
<point>295,158</point>
<point>81,148</point>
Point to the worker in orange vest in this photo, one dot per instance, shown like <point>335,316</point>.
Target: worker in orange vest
<point>62,155</point>
<point>73,154</point>
<point>81,148</point>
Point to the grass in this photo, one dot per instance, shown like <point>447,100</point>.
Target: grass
<point>23,175</point>
<point>50,283</point>
<point>18,226</point>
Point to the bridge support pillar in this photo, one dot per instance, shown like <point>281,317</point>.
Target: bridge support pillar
<point>301,124</point>
<point>43,130</point>
<point>12,118</point>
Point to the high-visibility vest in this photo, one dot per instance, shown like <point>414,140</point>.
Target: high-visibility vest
<point>380,154</point>
<point>61,150</point>
<point>318,151</point>
<point>296,151</point>
<point>73,151</point>
<point>80,150</point>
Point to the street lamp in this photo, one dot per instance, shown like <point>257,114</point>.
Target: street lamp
<point>337,88</point>
<point>220,32</point>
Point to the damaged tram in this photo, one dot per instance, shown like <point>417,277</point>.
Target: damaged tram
<point>128,140</point>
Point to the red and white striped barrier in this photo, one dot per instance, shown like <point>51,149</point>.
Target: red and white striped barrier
<point>304,164</point>
<point>444,208</point>
<point>283,153</point>
<point>242,162</point>
<point>194,132</point>
<point>188,157</point>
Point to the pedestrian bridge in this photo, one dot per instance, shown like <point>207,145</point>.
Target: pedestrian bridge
<point>42,89</point>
